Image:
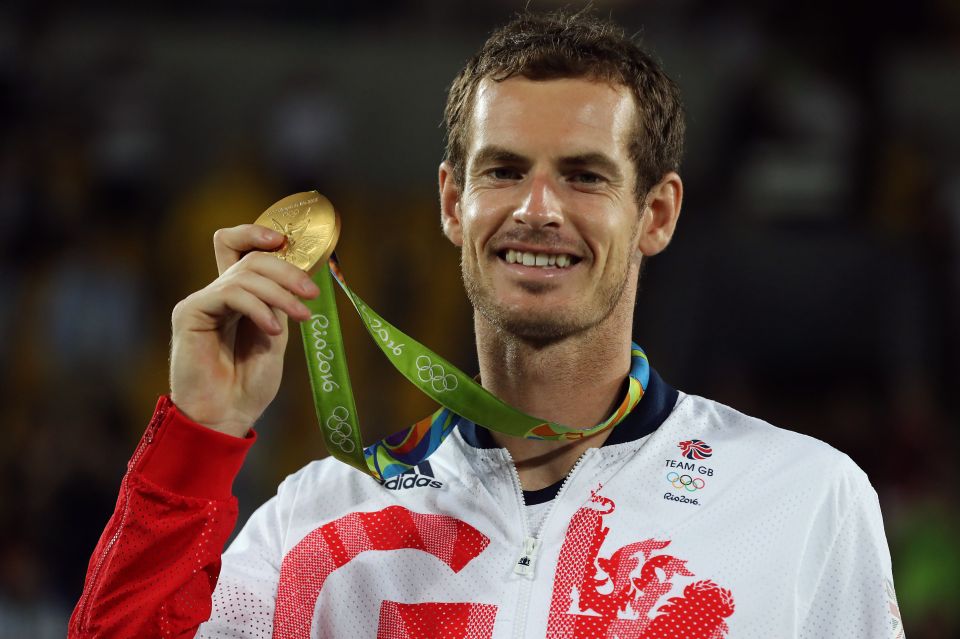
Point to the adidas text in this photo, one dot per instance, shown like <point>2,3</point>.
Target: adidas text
<point>411,481</point>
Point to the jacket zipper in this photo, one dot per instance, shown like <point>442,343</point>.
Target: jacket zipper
<point>83,613</point>
<point>526,562</point>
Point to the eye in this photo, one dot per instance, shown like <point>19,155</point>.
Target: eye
<point>586,177</point>
<point>504,173</point>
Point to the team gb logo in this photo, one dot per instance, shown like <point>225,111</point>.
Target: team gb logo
<point>695,449</point>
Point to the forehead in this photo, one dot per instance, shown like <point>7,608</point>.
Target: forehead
<point>562,116</point>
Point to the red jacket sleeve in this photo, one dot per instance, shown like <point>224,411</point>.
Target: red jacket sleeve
<point>156,564</point>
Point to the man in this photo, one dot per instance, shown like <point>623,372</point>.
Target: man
<point>685,519</point>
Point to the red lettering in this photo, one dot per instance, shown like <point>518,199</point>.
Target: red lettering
<point>306,567</point>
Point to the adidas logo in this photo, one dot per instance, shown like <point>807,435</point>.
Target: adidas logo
<point>419,477</point>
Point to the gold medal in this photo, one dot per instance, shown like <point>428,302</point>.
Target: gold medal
<point>310,224</point>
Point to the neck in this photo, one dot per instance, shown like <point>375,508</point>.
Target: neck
<point>577,381</point>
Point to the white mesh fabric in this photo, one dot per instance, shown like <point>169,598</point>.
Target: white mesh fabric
<point>783,539</point>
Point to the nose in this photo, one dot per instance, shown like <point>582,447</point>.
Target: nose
<point>541,207</point>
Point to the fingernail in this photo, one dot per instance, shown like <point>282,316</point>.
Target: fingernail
<point>275,324</point>
<point>270,236</point>
<point>309,288</point>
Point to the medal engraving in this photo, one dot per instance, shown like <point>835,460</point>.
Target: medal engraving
<point>310,225</point>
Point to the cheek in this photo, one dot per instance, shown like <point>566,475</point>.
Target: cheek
<point>605,238</point>
<point>482,217</point>
<point>473,237</point>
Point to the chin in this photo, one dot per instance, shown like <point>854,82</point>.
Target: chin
<point>541,316</point>
<point>539,328</point>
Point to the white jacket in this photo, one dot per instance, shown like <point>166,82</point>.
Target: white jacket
<point>693,520</point>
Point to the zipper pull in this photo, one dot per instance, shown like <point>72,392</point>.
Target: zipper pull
<point>528,557</point>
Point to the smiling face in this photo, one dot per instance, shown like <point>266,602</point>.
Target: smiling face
<point>547,216</point>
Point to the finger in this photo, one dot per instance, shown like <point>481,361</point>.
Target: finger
<point>250,306</point>
<point>270,293</point>
<point>231,244</point>
<point>283,273</point>
<point>211,308</point>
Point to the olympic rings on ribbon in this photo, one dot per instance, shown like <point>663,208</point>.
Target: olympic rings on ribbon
<point>690,484</point>
<point>340,430</point>
<point>435,375</point>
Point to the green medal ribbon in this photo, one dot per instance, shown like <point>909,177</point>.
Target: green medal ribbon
<point>454,390</point>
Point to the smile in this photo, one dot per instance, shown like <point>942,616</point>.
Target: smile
<point>542,260</point>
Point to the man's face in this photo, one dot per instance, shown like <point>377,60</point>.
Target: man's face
<point>547,216</point>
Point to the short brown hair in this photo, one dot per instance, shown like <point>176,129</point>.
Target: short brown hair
<point>546,46</point>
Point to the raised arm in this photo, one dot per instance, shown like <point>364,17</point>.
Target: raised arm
<point>158,559</point>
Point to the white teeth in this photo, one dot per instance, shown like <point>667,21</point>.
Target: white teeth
<point>537,259</point>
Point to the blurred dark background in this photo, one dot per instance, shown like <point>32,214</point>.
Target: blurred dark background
<point>813,281</point>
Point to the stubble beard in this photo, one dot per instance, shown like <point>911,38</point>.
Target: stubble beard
<point>544,326</point>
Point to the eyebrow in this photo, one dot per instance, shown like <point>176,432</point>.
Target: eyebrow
<point>497,154</point>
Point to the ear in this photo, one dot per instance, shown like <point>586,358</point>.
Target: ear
<point>659,218</point>
<point>450,205</point>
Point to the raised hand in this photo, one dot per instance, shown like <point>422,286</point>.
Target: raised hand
<point>226,357</point>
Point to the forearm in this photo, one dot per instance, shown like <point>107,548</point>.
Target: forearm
<point>156,564</point>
